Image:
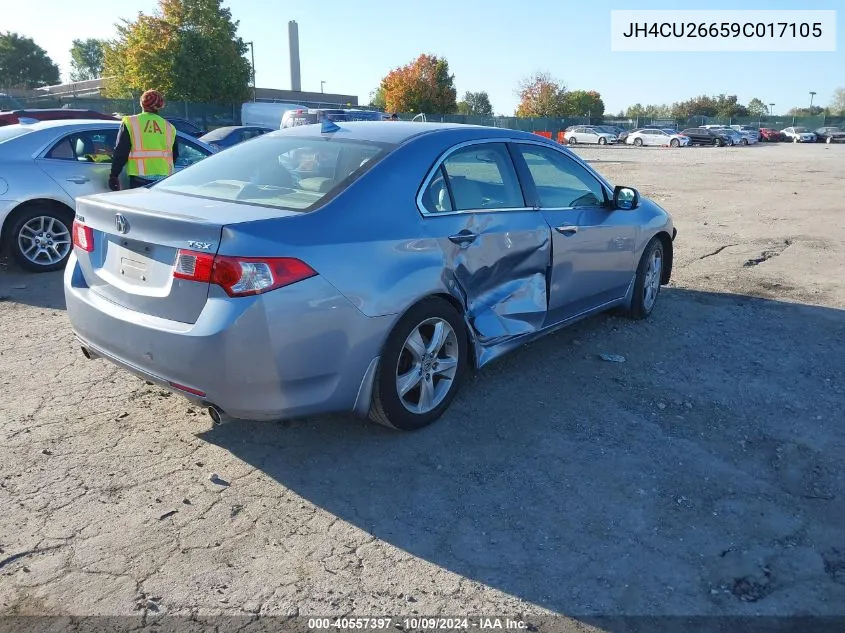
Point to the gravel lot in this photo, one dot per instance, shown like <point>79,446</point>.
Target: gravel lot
<point>701,476</point>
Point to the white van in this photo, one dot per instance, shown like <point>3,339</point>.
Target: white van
<point>264,114</point>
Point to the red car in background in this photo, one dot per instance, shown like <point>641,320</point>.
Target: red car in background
<point>771,136</point>
<point>50,114</point>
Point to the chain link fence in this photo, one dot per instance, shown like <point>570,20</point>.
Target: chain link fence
<point>210,116</point>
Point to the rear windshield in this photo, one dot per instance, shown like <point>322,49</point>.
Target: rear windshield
<point>218,134</point>
<point>288,172</point>
<point>8,132</point>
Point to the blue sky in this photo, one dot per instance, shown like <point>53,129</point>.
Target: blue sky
<point>490,46</point>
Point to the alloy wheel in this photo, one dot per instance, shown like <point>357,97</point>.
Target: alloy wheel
<point>44,240</point>
<point>427,365</point>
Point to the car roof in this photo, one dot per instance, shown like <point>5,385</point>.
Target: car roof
<point>83,123</point>
<point>397,132</point>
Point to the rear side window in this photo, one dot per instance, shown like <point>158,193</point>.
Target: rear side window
<point>483,177</point>
<point>288,172</point>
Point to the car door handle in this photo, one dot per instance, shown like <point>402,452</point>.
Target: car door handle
<point>567,230</point>
<point>79,180</point>
<point>464,237</point>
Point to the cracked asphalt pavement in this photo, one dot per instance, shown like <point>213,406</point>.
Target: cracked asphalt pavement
<point>701,476</point>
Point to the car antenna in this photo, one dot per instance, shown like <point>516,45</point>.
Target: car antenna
<point>329,126</point>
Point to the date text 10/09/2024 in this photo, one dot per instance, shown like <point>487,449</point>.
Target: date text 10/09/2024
<point>724,29</point>
<point>417,624</point>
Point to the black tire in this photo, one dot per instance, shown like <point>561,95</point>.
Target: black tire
<point>64,220</point>
<point>387,407</point>
<point>571,140</point>
<point>717,142</point>
<point>744,141</point>
<point>638,142</point>
<point>674,142</point>
<point>602,140</point>
<point>639,309</point>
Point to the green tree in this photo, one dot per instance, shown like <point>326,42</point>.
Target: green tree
<point>475,103</point>
<point>189,49</point>
<point>837,104</point>
<point>86,59</point>
<point>24,64</point>
<point>377,99</point>
<point>583,103</point>
<point>540,95</point>
<point>757,108</point>
<point>424,85</point>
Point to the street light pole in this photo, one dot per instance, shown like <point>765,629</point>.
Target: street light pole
<point>771,105</point>
<point>252,67</point>
<point>322,83</point>
<point>812,94</point>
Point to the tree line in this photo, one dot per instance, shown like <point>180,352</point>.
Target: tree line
<point>191,51</point>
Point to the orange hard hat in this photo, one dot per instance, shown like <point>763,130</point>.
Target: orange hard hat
<point>152,100</point>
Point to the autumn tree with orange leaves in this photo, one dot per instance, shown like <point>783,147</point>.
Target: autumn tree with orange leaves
<point>541,96</point>
<point>424,85</point>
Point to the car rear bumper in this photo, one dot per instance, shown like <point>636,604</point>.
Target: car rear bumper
<point>299,350</point>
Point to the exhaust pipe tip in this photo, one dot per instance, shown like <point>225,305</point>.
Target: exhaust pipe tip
<point>86,353</point>
<point>215,414</point>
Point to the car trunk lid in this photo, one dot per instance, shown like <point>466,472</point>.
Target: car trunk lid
<point>136,237</point>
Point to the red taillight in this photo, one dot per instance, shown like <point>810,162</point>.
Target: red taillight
<point>83,236</point>
<point>241,276</point>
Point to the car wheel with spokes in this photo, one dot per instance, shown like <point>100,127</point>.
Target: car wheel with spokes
<point>648,280</point>
<point>674,142</point>
<point>571,140</point>
<point>422,366</point>
<point>39,238</point>
<point>602,140</point>
<point>638,142</point>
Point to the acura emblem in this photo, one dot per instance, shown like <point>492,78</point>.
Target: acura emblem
<point>121,224</point>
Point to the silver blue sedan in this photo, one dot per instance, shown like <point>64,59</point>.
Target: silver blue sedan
<point>362,266</point>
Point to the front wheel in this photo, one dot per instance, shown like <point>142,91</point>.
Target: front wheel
<point>674,142</point>
<point>744,141</point>
<point>422,366</point>
<point>40,239</point>
<point>638,142</point>
<point>648,280</point>
<point>572,140</point>
<point>602,140</point>
<point>829,140</point>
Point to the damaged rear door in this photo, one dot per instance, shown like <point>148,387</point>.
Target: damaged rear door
<point>496,249</point>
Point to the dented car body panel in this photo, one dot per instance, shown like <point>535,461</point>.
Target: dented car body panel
<point>515,230</point>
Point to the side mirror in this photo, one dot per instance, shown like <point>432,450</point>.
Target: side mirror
<point>625,198</point>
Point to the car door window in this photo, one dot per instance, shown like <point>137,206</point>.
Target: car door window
<point>436,197</point>
<point>90,146</point>
<point>560,181</point>
<point>188,153</point>
<point>483,177</point>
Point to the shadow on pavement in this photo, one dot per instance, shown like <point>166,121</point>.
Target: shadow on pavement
<point>701,476</point>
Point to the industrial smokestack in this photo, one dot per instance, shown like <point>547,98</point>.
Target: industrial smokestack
<point>293,37</point>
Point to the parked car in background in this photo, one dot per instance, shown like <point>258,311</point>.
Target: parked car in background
<point>653,136</point>
<point>610,129</point>
<point>798,134</point>
<point>44,167</point>
<point>266,114</point>
<point>50,114</point>
<point>770,135</point>
<point>224,137</point>
<point>8,102</point>
<point>830,135</point>
<point>735,137</point>
<point>751,134</point>
<point>185,126</point>
<point>704,136</point>
<point>588,134</point>
<point>434,292</point>
<point>310,116</point>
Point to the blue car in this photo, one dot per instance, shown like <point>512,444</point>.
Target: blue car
<point>224,137</point>
<point>364,267</point>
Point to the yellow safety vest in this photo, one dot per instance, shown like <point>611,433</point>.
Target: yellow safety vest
<point>152,145</point>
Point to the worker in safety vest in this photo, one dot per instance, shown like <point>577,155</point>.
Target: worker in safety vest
<point>146,145</point>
